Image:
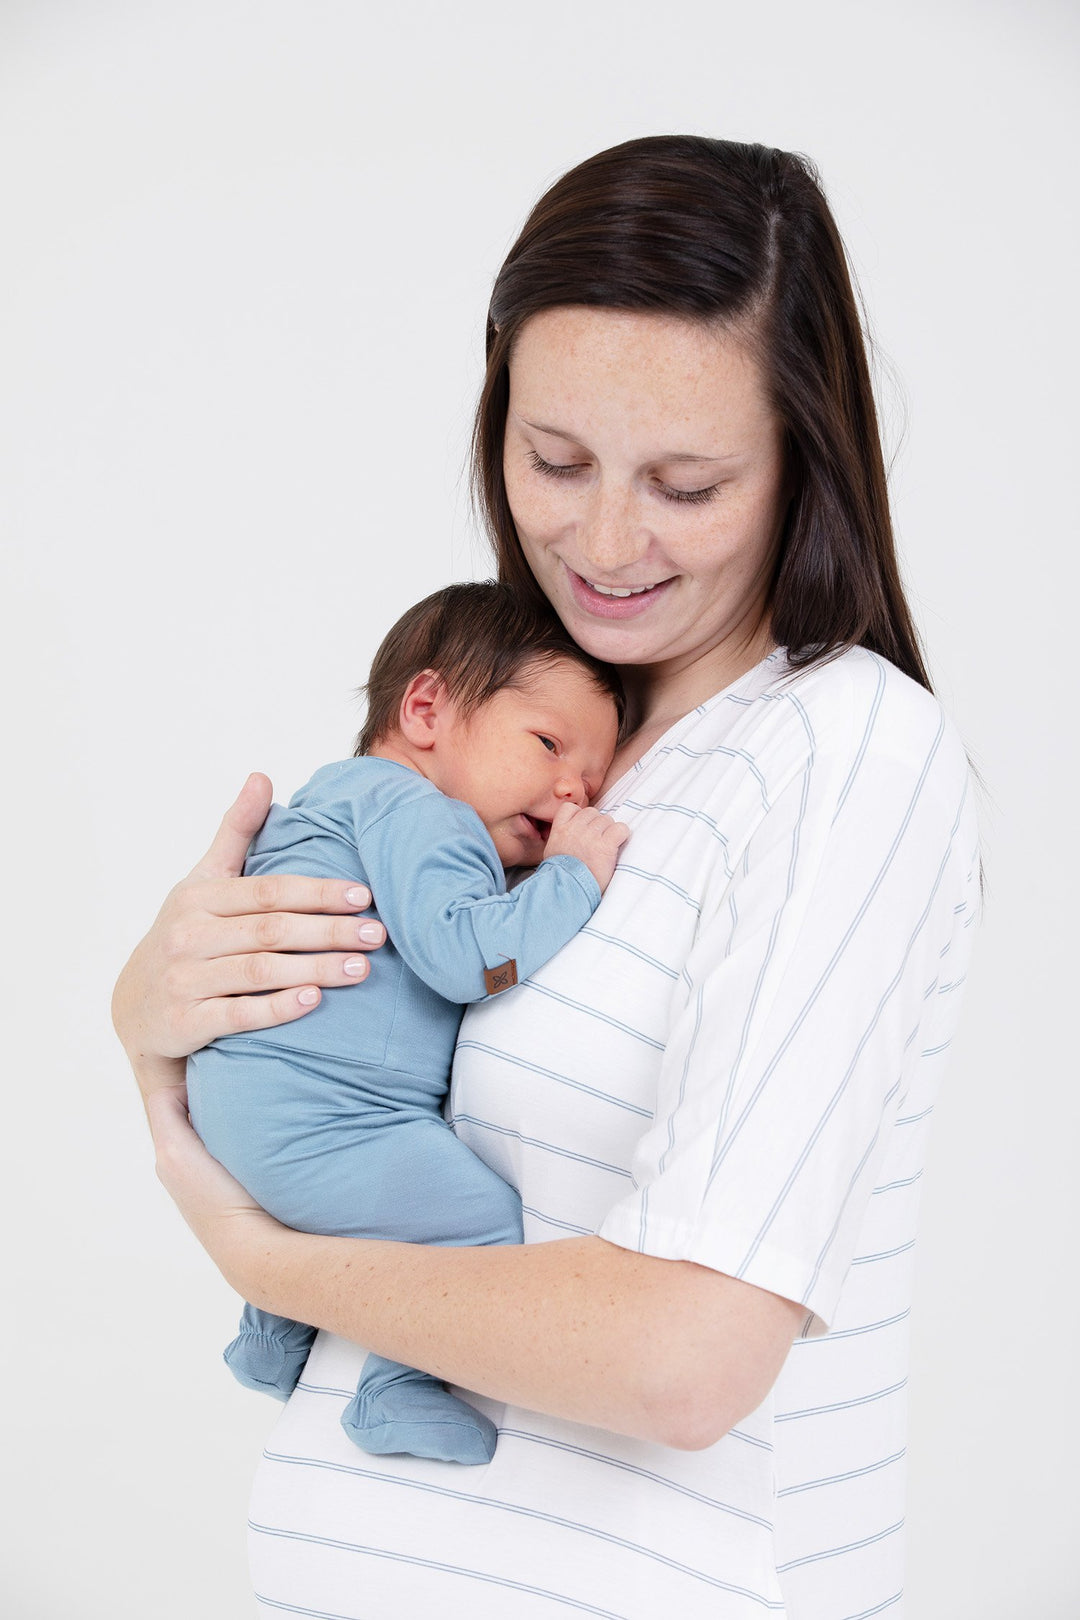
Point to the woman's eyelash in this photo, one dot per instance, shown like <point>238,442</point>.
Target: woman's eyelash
<point>553,469</point>
<point>556,469</point>
<point>696,497</point>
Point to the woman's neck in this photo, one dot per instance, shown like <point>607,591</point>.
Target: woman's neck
<point>659,695</point>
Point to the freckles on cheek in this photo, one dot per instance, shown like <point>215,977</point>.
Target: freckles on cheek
<point>536,514</point>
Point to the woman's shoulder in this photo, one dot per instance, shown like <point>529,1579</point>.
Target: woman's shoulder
<point>854,715</point>
<point>861,706</point>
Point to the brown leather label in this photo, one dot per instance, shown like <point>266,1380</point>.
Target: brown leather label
<point>503,977</point>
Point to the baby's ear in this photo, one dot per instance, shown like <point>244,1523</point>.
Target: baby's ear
<point>423,708</point>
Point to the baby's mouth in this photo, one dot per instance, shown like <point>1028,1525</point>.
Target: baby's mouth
<point>542,829</point>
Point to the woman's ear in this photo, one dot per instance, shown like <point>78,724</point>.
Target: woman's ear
<point>423,708</point>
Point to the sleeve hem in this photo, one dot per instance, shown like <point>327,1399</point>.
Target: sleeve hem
<point>580,873</point>
<point>790,1276</point>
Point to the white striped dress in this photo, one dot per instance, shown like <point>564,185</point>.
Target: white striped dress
<point>734,1063</point>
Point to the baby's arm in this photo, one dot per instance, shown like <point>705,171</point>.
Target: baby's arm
<point>590,836</point>
<point>440,890</point>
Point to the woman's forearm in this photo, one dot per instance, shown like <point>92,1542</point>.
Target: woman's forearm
<point>663,1350</point>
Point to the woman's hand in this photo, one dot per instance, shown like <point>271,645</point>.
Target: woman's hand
<point>225,1219</point>
<point>220,956</point>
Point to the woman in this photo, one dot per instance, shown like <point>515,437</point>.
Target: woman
<point>714,1101</point>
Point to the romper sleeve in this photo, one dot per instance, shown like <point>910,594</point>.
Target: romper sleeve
<point>441,891</point>
<point>799,1011</point>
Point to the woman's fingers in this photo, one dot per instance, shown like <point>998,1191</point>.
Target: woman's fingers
<point>215,936</point>
<point>242,820</point>
<point>270,941</point>
<point>275,891</point>
<point>189,981</point>
<point>237,1015</point>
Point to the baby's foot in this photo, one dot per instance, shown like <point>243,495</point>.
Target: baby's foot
<point>270,1362</point>
<point>397,1409</point>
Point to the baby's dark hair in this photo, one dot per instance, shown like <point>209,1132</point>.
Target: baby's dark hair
<point>480,638</point>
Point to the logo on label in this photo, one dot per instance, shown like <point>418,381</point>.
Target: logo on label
<point>503,977</point>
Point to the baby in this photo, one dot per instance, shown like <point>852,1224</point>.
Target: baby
<point>488,732</point>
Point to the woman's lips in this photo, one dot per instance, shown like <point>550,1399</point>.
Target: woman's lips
<point>613,607</point>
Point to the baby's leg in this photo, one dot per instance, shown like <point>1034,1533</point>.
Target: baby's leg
<point>317,1152</point>
<point>452,1197</point>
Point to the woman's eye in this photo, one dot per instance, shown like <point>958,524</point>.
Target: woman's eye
<point>554,469</point>
<point>548,743</point>
<point>695,497</point>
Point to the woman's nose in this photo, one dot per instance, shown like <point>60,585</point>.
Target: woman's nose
<point>609,536</point>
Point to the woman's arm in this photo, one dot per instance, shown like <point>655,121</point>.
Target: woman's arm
<point>221,955</point>
<point>663,1350</point>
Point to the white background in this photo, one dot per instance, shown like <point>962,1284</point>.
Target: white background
<point>247,250</point>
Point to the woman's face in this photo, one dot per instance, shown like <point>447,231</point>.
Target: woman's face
<point>644,468</point>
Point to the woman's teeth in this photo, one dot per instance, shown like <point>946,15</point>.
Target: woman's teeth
<point>618,590</point>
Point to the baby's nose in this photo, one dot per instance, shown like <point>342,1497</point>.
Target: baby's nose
<point>571,789</point>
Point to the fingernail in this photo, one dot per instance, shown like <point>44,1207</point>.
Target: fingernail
<point>358,897</point>
<point>308,998</point>
<point>371,933</point>
<point>356,965</point>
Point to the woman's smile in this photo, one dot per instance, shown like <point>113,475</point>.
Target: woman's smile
<point>614,601</point>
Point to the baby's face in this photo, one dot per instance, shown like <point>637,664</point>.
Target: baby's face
<point>525,752</point>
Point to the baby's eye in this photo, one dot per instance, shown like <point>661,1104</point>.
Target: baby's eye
<point>548,743</point>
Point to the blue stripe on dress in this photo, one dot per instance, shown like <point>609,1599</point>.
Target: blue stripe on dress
<point>728,753</point>
<point>860,755</point>
<point>538,1142</point>
<point>879,1608</point>
<point>689,815</point>
<point>561,1226</point>
<point>683,1078</point>
<point>884,1254</point>
<point>421,1563</point>
<point>870,1327</point>
<point>624,870</point>
<point>552,1074</point>
<point>590,1012</point>
<point>512,1508</point>
<point>840,1479</point>
<point>643,1473</point>
<point>840,1552</point>
<point>842,1406</point>
<point>624,945</point>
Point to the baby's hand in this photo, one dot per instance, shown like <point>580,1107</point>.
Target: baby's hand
<point>590,835</point>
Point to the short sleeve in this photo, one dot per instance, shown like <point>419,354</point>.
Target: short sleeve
<point>798,1018</point>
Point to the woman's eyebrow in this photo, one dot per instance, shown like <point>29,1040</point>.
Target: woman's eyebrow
<point>542,427</point>
<point>669,455</point>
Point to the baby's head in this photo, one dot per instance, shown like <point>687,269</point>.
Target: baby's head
<point>487,696</point>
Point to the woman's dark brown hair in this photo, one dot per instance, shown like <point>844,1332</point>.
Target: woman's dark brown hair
<point>741,237</point>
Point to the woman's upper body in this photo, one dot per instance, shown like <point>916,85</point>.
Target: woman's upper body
<point>677,445</point>
<point>733,1064</point>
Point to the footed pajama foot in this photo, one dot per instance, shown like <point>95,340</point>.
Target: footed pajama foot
<point>397,1409</point>
<point>270,1361</point>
